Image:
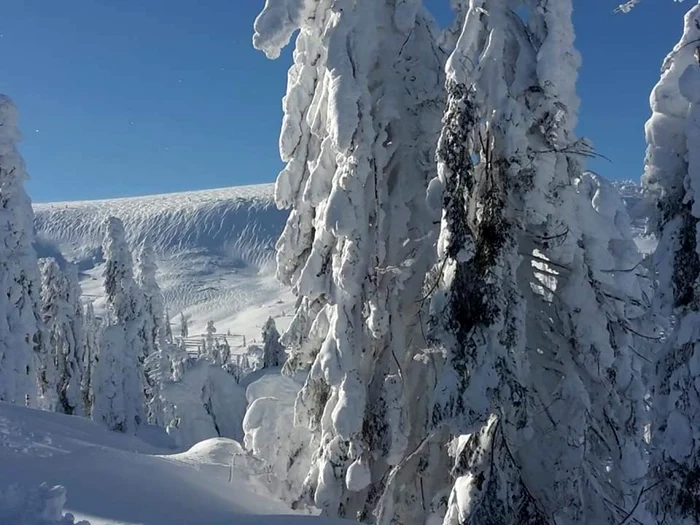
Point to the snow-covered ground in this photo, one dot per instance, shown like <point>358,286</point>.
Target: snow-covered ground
<point>113,478</point>
<point>214,248</point>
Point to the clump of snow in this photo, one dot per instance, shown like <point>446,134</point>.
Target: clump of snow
<point>358,476</point>
<point>40,506</point>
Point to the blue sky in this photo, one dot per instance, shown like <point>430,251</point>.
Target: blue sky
<point>130,97</point>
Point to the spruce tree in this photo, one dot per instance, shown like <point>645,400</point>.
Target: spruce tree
<point>362,111</point>
<point>118,381</point>
<point>21,341</point>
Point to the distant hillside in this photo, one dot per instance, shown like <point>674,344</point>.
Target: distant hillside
<point>215,248</point>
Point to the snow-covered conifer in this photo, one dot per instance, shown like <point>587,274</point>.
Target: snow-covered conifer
<point>156,351</point>
<point>184,326</point>
<point>118,380</point>
<point>223,351</point>
<point>540,379</point>
<point>168,329</point>
<point>362,113</point>
<point>672,176</point>
<point>273,351</point>
<point>210,340</point>
<point>63,318</point>
<point>154,311</point>
<point>91,337</point>
<point>20,330</point>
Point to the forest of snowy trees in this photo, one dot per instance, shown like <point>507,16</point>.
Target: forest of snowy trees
<point>480,339</point>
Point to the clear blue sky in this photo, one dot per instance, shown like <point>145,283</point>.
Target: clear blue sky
<point>129,97</point>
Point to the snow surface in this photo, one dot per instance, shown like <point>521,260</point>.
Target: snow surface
<point>214,250</point>
<point>112,478</point>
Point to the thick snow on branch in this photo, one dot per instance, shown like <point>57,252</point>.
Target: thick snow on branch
<point>626,7</point>
<point>672,175</point>
<point>361,117</point>
<point>277,22</point>
<point>530,315</point>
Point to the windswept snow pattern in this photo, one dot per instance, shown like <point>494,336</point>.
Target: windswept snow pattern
<point>214,249</point>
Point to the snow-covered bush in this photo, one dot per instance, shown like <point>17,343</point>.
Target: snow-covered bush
<point>40,506</point>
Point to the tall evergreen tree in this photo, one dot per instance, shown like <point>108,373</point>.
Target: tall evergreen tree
<point>168,329</point>
<point>91,337</point>
<point>156,351</point>
<point>63,317</point>
<point>154,311</point>
<point>20,330</point>
<point>361,119</point>
<point>672,177</point>
<point>540,378</point>
<point>184,326</point>
<point>118,382</point>
<point>273,351</point>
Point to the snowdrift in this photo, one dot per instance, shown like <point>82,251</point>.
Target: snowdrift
<point>113,478</point>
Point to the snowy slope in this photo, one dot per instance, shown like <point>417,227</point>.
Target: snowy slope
<point>114,479</point>
<point>215,250</point>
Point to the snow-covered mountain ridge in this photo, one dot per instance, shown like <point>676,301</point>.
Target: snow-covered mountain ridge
<point>214,220</point>
<point>214,248</point>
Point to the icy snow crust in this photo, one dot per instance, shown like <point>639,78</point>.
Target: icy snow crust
<point>214,248</point>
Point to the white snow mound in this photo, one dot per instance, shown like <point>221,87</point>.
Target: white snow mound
<point>111,478</point>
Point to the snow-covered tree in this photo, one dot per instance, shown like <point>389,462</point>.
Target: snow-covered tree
<point>20,330</point>
<point>154,311</point>
<point>362,114</point>
<point>531,304</point>
<point>184,326</point>
<point>223,351</point>
<point>63,317</point>
<point>118,380</point>
<point>672,175</point>
<point>273,351</point>
<point>91,338</point>
<point>156,351</point>
<point>168,329</point>
<point>210,339</point>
